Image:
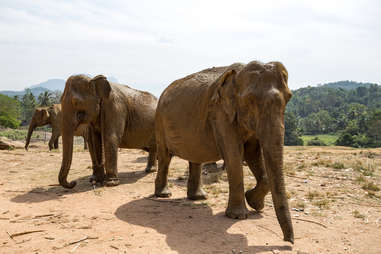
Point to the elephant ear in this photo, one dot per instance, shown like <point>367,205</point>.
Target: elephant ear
<point>101,85</point>
<point>282,73</point>
<point>224,93</point>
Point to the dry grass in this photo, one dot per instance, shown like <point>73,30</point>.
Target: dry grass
<point>322,203</point>
<point>358,215</point>
<point>311,195</point>
<point>370,186</point>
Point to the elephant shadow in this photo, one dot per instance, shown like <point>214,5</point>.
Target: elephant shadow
<point>191,228</point>
<point>55,192</point>
<point>142,159</point>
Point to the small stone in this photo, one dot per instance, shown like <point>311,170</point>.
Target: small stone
<point>276,251</point>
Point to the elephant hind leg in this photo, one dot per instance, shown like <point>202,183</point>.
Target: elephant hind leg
<point>195,192</point>
<point>152,156</point>
<point>56,143</point>
<point>254,158</point>
<point>161,181</point>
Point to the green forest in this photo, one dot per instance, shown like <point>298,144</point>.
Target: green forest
<point>344,113</point>
<point>349,110</point>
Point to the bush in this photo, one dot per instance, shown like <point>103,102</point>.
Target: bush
<point>316,142</point>
<point>293,140</point>
<point>345,139</point>
<point>8,122</point>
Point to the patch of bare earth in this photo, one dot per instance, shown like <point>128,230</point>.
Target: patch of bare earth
<point>333,192</point>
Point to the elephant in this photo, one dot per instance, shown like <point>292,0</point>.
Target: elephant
<point>115,116</point>
<point>49,115</point>
<point>233,113</point>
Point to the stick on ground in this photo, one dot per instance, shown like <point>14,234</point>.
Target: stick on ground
<point>24,233</point>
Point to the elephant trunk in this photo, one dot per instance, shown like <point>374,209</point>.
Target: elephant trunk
<point>272,145</point>
<point>31,128</point>
<point>67,155</point>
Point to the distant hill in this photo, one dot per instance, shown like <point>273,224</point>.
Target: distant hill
<point>51,84</point>
<point>347,85</point>
<point>35,91</point>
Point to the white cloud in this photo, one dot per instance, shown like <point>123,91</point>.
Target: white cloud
<point>148,44</point>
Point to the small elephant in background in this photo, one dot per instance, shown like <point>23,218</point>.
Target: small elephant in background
<point>115,116</point>
<point>233,113</point>
<point>50,115</point>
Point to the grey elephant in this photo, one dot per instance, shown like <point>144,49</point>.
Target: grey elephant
<point>115,116</point>
<point>232,113</point>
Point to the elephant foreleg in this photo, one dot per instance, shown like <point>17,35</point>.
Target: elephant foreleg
<point>231,149</point>
<point>95,149</point>
<point>254,158</point>
<point>111,160</point>
<point>195,192</point>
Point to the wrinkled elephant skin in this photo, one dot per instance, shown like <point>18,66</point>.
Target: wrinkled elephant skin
<point>232,113</point>
<point>115,116</point>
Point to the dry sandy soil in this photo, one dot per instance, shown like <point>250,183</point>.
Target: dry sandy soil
<point>333,195</point>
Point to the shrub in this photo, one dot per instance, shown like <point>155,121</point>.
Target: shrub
<point>316,142</point>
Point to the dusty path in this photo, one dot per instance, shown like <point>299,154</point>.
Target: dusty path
<point>331,212</point>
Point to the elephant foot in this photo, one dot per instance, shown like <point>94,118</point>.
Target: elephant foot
<point>150,169</point>
<point>197,195</point>
<point>237,212</point>
<point>255,200</point>
<point>110,182</point>
<point>163,192</point>
<point>94,179</point>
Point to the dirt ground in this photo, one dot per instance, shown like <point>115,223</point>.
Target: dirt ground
<point>333,193</point>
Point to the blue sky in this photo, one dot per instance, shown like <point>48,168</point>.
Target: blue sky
<point>148,44</point>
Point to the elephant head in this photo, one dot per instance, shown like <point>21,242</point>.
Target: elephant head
<point>40,117</point>
<point>81,108</point>
<point>255,97</point>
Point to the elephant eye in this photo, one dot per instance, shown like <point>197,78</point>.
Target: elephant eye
<point>81,116</point>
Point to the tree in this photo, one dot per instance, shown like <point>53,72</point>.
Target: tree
<point>56,97</point>
<point>345,139</point>
<point>28,104</point>
<point>9,112</point>
<point>291,135</point>
<point>45,99</point>
<point>373,131</point>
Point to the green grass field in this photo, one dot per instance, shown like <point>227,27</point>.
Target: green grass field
<point>20,134</point>
<point>326,138</point>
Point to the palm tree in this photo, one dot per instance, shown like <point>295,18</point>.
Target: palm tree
<point>45,99</point>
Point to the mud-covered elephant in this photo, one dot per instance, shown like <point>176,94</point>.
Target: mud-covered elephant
<point>115,116</point>
<point>232,113</point>
<point>50,115</point>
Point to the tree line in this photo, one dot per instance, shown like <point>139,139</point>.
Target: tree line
<point>353,114</point>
